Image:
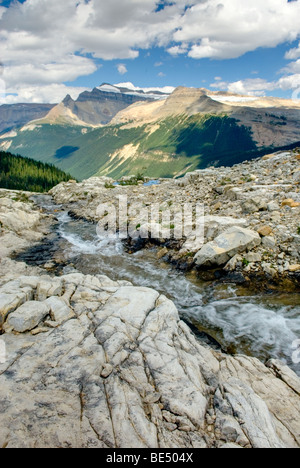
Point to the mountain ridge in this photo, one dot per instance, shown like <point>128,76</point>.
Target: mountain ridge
<point>115,131</point>
<point>16,115</point>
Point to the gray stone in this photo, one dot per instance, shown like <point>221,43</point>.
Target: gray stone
<point>269,242</point>
<point>131,375</point>
<point>48,288</point>
<point>253,257</point>
<point>59,311</point>
<point>252,205</point>
<point>28,316</point>
<point>215,225</point>
<point>227,245</point>
<point>273,206</point>
<point>9,303</point>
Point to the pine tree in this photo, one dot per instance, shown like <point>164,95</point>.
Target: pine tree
<point>19,173</point>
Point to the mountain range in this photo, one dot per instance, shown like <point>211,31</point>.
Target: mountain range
<point>122,130</point>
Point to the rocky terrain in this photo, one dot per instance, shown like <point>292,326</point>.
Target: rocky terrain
<point>252,211</point>
<point>90,362</point>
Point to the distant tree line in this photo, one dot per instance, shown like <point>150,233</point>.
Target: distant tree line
<point>19,173</point>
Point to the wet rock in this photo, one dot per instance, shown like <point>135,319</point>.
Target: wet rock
<point>253,191</point>
<point>162,253</point>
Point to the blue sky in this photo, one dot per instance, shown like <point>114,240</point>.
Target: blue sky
<point>49,48</point>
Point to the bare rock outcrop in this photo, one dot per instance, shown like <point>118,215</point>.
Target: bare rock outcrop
<point>119,369</point>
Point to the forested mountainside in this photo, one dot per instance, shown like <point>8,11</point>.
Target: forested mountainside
<point>19,173</point>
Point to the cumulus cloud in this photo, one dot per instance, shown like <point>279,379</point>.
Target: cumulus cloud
<point>52,93</point>
<point>293,54</point>
<point>122,69</point>
<point>229,28</point>
<point>258,86</point>
<point>250,86</point>
<point>44,42</point>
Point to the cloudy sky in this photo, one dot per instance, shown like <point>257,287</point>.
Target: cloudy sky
<point>49,48</point>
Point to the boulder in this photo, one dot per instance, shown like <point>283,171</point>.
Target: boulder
<point>48,288</point>
<point>19,219</point>
<point>28,316</point>
<point>59,311</point>
<point>215,225</point>
<point>252,205</point>
<point>233,241</point>
<point>9,303</point>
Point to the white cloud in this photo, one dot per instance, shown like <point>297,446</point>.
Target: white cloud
<point>178,50</point>
<point>229,28</point>
<point>68,70</point>
<point>290,82</point>
<point>293,67</point>
<point>293,54</point>
<point>52,93</point>
<point>122,69</point>
<point>258,86</point>
<point>44,42</point>
<point>250,86</point>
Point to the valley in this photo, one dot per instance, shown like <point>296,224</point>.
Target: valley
<point>157,135</point>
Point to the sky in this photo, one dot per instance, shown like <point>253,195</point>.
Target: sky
<point>51,48</point>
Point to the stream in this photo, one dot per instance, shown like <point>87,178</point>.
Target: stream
<point>261,325</point>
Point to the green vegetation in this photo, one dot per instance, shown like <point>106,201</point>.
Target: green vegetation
<point>178,145</point>
<point>298,230</point>
<point>19,173</point>
<point>133,180</point>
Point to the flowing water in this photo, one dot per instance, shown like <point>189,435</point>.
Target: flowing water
<point>261,325</point>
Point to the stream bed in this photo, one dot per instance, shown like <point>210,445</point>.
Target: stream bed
<point>261,325</point>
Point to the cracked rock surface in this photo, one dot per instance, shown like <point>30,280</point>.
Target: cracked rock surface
<point>112,365</point>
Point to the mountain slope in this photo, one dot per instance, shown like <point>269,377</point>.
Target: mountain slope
<point>97,107</point>
<point>173,146</point>
<point>18,173</point>
<point>163,136</point>
<point>16,115</point>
